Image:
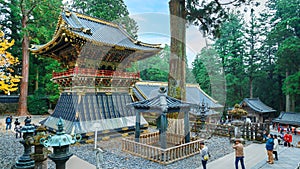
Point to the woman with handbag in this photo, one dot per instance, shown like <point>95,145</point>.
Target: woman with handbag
<point>204,154</point>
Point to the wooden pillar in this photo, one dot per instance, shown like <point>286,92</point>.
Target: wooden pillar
<point>137,126</point>
<point>163,133</point>
<point>247,131</point>
<point>255,131</point>
<point>187,137</point>
<point>251,130</point>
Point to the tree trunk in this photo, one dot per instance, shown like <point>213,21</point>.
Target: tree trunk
<point>37,80</point>
<point>293,103</point>
<point>287,97</point>
<point>176,79</point>
<point>251,86</point>
<point>22,111</point>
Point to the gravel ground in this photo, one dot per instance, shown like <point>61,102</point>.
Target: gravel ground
<point>114,158</point>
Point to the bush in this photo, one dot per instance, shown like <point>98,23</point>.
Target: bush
<point>37,104</point>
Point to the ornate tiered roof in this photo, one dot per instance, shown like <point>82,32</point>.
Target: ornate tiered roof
<point>77,33</point>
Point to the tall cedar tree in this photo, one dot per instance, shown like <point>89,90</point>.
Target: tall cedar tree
<point>285,35</point>
<point>208,15</point>
<point>21,17</point>
<point>230,46</point>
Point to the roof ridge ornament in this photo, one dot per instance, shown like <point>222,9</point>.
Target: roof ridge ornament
<point>162,90</point>
<point>163,99</point>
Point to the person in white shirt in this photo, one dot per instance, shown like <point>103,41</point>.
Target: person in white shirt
<point>276,147</point>
<point>204,154</point>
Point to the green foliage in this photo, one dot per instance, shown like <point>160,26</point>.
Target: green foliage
<point>154,74</point>
<point>41,75</point>
<point>251,58</point>
<point>201,74</point>
<point>292,84</point>
<point>289,54</point>
<point>209,15</point>
<point>284,37</point>
<point>156,68</point>
<point>230,47</point>
<point>37,103</point>
<point>41,24</point>
<point>208,72</point>
<point>11,23</point>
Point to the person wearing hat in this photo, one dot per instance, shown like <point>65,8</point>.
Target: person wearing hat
<point>239,153</point>
<point>204,154</point>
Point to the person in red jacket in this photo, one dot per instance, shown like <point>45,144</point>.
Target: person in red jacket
<point>288,138</point>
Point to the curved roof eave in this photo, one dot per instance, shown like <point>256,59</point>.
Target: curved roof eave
<point>40,49</point>
<point>256,108</point>
<point>62,27</point>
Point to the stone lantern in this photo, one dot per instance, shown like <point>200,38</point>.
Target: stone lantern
<point>203,109</point>
<point>237,130</point>
<point>60,143</point>
<point>25,162</point>
<point>40,154</point>
<point>201,116</point>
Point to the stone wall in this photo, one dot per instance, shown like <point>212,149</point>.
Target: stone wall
<point>8,108</point>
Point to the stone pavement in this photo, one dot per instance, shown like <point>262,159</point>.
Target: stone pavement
<point>288,158</point>
<point>256,157</point>
<point>76,163</point>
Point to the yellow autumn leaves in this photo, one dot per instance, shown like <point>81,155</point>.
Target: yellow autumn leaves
<point>8,81</point>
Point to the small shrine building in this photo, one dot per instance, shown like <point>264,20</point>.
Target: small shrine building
<point>95,84</point>
<point>257,110</point>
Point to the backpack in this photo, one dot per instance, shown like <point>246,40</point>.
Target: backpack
<point>8,120</point>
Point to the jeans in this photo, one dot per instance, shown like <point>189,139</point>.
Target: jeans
<point>204,164</point>
<point>8,126</point>
<point>237,159</point>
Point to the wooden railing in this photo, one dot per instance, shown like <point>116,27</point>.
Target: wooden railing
<point>151,138</point>
<point>94,72</point>
<point>163,156</point>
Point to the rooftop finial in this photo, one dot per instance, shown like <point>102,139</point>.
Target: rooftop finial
<point>60,125</point>
<point>162,90</point>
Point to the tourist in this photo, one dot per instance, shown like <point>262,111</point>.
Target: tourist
<point>265,135</point>
<point>276,147</point>
<point>239,153</point>
<point>288,138</point>
<point>281,130</point>
<point>204,154</point>
<point>27,120</point>
<point>18,128</point>
<point>8,121</point>
<point>270,147</point>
